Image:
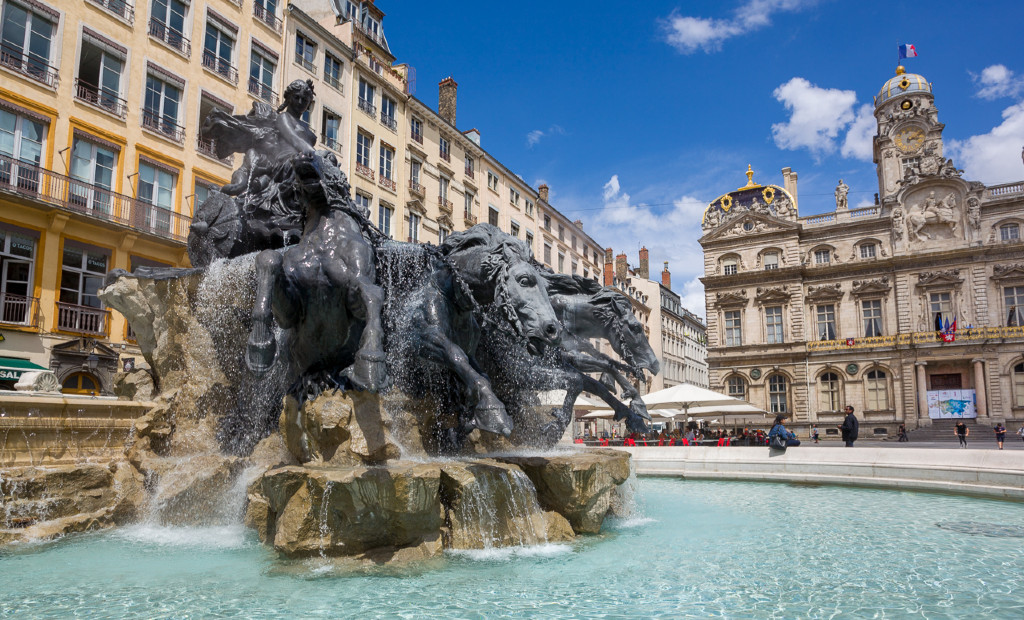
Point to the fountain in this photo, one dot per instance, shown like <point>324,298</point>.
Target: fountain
<point>361,398</point>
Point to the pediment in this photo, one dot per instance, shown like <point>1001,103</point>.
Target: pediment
<point>824,292</point>
<point>772,294</point>
<point>85,347</point>
<point>732,298</point>
<point>748,225</point>
<point>416,206</point>
<point>939,279</point>
<point>1013,271</point>
<point>879,286</point>
<point>446,221</point>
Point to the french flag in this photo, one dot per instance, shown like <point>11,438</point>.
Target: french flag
<point>907,51</point>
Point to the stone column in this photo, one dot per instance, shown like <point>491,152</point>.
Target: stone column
<point>922,391</point>
<point>979,386</point>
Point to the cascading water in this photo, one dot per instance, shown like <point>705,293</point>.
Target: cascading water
<point>498,508</point>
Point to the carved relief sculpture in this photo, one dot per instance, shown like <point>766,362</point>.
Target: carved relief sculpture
<point>974,213</point>
<point>932,211</point>
<point>897,222</point>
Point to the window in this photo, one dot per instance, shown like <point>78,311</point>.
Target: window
<point>1018,385</point>
<point>160,110</point>
<point>867,250</point>
<point>82,273</point>
<point>384,213</point>
<point>201,193</point>
<point>17,252</point>
<point>492,216</point>
<point>387,162</point>
<point>80,383</point>
<point>442,191</point>
<point>206,106</point>
<point>877,386</point>
<point>514,229</point>
<point>736,387</point>
<point>513,196</point>
<point>575,267</point>
<point>941,306</point>
<point>1009,232</point>
<point>363,202</point>
<point>529,207</point>
<point>733,329</point>
<point>93,167</point>
<point>777,394</point>
<point>415,168</point>
<point>332,71</point>
<point>529,240</point>
<point>872,310</point>
<point>822,257</point>
<point>387,113</point>
<point>573,243</point>
<point>167,23</point>
<point>1013,296</point>
<point>547,254</point>
<point>305,52</point>
<point>444,149</point>
<point>266,11</point>
<point>826,322</point>
<point>773,325</point>
<point>21,140</point>
<point>547,222</point>
<point>27,42</point>
<point>492,181</point>
<point>261,76</point>
<point>828,392</point>
<point>363,146</point>
<point>416,129</point>
<point>909,163</point>
<point>442,234</point>
<point>561,263</point>
<point>218,50</point>
<point>470,165</point>
<point>467,205</point>
<point>99,76</point>
<point>332,130</point>
<point>414,228</point>
<point>561,233</point>
<point>366,99</point>
<point>156,188</point>
<point>729,266</point>
<point>771,260</point>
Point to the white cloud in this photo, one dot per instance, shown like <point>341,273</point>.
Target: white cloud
<point>816,116</point>
<point>860,137</point>
<point>535,136</point>
<point>688,34</point>
<point>994,157</point>
<point>669,233</point>
<point>997,81</point>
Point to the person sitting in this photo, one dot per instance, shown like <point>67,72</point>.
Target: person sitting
<point>779,429</point>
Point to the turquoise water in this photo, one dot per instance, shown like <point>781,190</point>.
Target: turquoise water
<point>698,549</point>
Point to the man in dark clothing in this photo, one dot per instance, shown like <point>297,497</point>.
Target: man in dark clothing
<point>850,427</point>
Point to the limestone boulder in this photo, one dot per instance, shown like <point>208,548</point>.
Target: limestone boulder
<point>338,428</point>
<point>135,385</point>
<point>199,490</point>
<point>579,486</point>
<point>347,511</point>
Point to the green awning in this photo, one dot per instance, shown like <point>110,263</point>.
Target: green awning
<point>11,368</point>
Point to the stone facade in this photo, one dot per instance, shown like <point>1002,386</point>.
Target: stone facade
<point>851,311</point>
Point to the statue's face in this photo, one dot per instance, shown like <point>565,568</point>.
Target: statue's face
<point>635,340</point>
<point>532,306</point>
<point>301,99</point>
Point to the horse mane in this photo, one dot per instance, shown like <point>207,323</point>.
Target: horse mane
<point>564,284</point>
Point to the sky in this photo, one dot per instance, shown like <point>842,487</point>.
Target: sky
<point>639,114</point>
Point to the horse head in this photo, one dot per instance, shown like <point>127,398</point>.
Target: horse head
<point>498,270</point>
<point>626,334</point>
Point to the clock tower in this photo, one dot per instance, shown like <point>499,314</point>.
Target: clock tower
<point>908,142</point>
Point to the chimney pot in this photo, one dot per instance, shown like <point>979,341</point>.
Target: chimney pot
<point>666,277</point>
<point>543,191</point>
<point>447,91</point>
<point>645,271</point>
<point>621,267</point>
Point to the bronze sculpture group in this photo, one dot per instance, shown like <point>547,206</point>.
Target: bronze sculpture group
<point>471,318</point>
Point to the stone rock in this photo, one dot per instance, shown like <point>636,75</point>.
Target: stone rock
<point>578,486</point>
<point>489,504</point>
<point>38,381</point>
<point>195,490</point>
<point>558,527</point>
<point>349,510</point>
<point>135,385</point>
<point>338,428</point>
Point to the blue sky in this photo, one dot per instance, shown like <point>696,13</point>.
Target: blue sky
<point>638,114</point>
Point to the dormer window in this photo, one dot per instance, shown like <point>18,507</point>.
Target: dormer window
<point>867,250</point>
<point>822,257</point>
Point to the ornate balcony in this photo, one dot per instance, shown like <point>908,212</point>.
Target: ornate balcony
<point>267,17</point>
<point>220,66</point>
<point>388,183</point>
<point>334,82</point>
<point>92,95</point>
<point>469,172</point>
<point>389,122</point>
<point>176,40</point>
<point>367,106</point>
<point>262,91</point>
<point>445,205</point>
<point>82,319</point>
<point>365,171</point>
<point>209,148</point>
<point>38,184</point>
<point>331,143</point>
<point>416,188</point>
<point>470,219</point>
<point>120,8</point>
<point>152,120</point>
<point>305,63</point>
<point>28,65</point>
<point>446,155</point>
<point>19,310</point>
<point>417,136</point>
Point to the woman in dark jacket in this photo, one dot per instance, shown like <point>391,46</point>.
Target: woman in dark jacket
<point>779,429</point>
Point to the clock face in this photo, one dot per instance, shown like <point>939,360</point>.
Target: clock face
<point>909,140</point>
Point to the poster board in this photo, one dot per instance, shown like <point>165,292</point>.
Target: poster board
<point>944,404</point>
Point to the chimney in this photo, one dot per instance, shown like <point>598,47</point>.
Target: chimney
<point>608,280</point>
<point>645,270</point>
<point>789,184</point>
<point>446,95</point>
<point>578,224</point>
<point>666,277</point>
<point>543,191</point>
<point>621,267</point>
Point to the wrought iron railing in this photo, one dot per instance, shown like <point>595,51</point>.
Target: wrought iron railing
<point>367,106</point>
<point>209,148</point>
<point>417,136</point>
<point>389,122</point>
<point>469,172</point>
<point>388,183</point>
<point>445,205</point>
<point>154,121</point>
<point>306,63</point>
<point>16,59</point>
<point>415,187</point>
<point>82,319</point>
<point>118,7</point>
<point>262,91</point>
<point>176,40</point>
<point>332,143</point>
<point>334,82</point>
<point>365,171</point>
<point>445,155</point>
<point>92,200</point>
<point>376,38</point>
<point>100,98</point>
<point>470,219</point>
<point>265,16</point>
<point>19,310</point>
<point>220,66</point>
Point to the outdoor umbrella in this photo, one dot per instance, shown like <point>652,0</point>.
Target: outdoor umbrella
<point>686,396</point>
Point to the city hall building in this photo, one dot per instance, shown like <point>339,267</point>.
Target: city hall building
<point>856,306</point>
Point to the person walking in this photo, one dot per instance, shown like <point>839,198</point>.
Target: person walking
<point>814,433</point>
<point>901,435</point>
<point>961,431</point>
<point>850,427</point>
<point>1000,434</point>
<point>1020,431</point>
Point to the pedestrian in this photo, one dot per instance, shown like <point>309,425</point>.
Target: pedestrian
<point>814,433</point>
<point>962,432</point>
<point>901,435</point>
<point>1000,434</point>
<point>850,427</point>
<point>1020,431</point>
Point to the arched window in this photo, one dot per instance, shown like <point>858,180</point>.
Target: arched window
<point>828,392</point>
<point>777,388</point>
<point>737,387</point>
<point>730,265</point>
<point>877,385</point>
<point>81,383</point>
<point>1018,385</point>
<point>1009,232</point>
